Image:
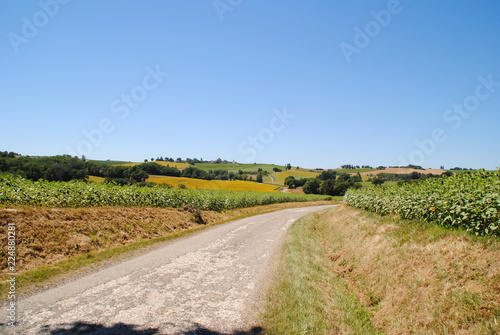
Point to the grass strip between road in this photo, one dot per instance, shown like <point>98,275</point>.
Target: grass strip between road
<point>307,297</point>
<point>348,271</point>
<point>40,276</point>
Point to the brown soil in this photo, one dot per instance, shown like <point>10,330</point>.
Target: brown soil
<point>293,190</point>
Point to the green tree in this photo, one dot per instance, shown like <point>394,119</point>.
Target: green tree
<point>329,174</point>
<point>357,178</point>
<point>259,177</point>
<point>378,180</point>
<point>139,175</point>
<point>344,176</point>
<point>157,169</point>
<point>290,182</point>
<point>136,174</point>
<point>312,186</point>
<point>328,187</point>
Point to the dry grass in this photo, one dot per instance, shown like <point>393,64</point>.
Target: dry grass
<point>229,185</point>
<point>415,278</point>
<point>49,236</point>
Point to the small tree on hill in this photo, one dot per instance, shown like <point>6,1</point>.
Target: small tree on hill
<point>259,177</point>
<point>290,182</point>
<point>378,180</point>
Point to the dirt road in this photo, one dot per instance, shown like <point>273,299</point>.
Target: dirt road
<point>208,283</point>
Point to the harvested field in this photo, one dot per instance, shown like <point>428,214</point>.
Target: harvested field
<point>294,190</point>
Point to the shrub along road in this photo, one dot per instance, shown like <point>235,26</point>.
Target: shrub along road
<point>209,282</point>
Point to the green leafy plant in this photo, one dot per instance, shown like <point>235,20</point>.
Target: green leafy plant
<point>468,200</point>
<point>20,191</point>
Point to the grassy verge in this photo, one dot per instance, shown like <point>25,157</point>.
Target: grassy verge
<point>55,242</point>
<point>307,297</point>
<point>347,271</point>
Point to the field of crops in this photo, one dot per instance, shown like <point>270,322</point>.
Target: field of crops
<point>279,177</point>
<point>469,200</point>
<point>236,167</point>
<point>179,166</point>
<point>228,185</point>
<point>19,191</point>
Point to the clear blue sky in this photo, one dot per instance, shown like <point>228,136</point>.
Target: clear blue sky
<point>311,83</point>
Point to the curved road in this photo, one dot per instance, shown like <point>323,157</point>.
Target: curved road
<point>208,283</point>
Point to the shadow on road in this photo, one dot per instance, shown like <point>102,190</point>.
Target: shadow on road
<point>92,328</point>
<point>80,328</point>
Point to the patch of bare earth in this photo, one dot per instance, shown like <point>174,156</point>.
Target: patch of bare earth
<point>45,236</point>
<point>293,190</point>
<point>415,279</point>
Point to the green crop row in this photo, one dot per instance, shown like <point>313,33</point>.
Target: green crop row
<point>470,200</point>
<point>19,191</point>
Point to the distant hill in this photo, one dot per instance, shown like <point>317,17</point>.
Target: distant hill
<point>402,171</point>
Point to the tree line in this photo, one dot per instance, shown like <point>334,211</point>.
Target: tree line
<point>328,183</point>
<point>190,161</point>
<point>402,178</point>
<point>66,168</point>
<point>58,168</point>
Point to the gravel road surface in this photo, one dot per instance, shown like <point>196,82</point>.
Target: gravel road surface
<point>209,283</point>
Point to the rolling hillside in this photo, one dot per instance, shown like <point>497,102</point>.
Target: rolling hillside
<point>272,181</point>
<point>230,185</point>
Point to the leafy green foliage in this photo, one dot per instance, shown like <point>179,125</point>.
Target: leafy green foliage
<point>157,169</point>
<point>329,174</point>
<point>260,177</point>
<point>331,183</point>
<point>469,200</point>
<point>4,154</point>
<point>20,191</point>
<point>312,186</point>
<point>192,172</point>
<point>378,180</point>
<point>58,168</point>
<point>291,182</point>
